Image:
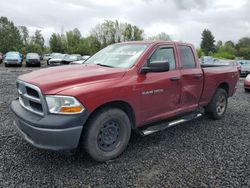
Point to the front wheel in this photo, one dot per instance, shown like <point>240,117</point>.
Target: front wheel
<point>217,107</point>
<point>107,134</point>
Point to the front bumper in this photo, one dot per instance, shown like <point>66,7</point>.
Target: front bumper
<point>53,132</point>
<point>12,63</point>
<point>33,62</point>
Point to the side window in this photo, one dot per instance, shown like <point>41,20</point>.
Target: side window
<point>186,57</point>
<point>164,54</point>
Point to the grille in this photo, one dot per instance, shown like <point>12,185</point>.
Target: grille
<point>12,61</point>
<point>31,98</point>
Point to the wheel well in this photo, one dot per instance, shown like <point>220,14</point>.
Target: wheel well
<point>224,86</point>
<point>124,106</point>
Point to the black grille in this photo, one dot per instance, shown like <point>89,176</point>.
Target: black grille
<point>36,106</point>
<point>32,92</point>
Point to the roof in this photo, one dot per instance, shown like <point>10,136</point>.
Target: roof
<point>152,42</point>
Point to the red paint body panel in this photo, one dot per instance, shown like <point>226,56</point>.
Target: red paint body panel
<point>247,84</point>
<point>94,85</point>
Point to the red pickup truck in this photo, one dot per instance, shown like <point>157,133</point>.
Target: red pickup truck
<point>133,86</point>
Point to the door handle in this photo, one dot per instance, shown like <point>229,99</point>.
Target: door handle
<point>198,76</point>
<point>175,78</point>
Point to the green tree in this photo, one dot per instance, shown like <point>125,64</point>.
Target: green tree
<point>219,44</point>
<point>56,44</point>
<point>244,42</point>
<point>244,52</point>
<point>10,38</point>
<point>73,40</point>
<point>110,32</point>
<point>207,43</point>
<point>243,48</point>
<point>38,38</point>
<point>200,52</point>
<point>132,32</point>
<point>24,32</point>
<point>161,36</point>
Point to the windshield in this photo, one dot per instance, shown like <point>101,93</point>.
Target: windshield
<point>12,54</point>
<point>118,55</point>
<point>72,57</point>
<point>34,56</point>
<point>58,56</point>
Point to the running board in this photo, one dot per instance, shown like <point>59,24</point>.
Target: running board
<point>165,125</point>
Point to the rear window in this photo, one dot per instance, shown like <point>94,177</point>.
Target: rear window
<point>186,57</point>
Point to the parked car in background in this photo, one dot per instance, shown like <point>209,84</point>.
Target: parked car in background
<point>247,83</point>
<point>33,59</point>
<point>13,58</point>
<point>46,57</point>
<point>207,60</point>
<point>84,58</point>
<point>244,67</point>
<point>56,59</point>
<point>1,57</point>
<point>70,58</point>
<point>77,62</point>
<point>228,63</point>
<point>51,56</point>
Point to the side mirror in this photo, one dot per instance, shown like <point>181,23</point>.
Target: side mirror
<point>156,66</point>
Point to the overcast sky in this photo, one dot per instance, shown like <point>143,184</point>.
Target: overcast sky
<point>182,19</point>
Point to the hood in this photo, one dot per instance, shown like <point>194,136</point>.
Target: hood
<point>56,79</point>
<point>56,59</point>
<point>12,58</point>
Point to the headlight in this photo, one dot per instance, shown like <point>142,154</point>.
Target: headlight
<point>248,78</point>
<point>63,105</point>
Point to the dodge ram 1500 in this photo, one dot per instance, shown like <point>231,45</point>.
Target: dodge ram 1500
<point>133,86</point>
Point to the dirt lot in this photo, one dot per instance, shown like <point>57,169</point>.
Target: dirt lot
<point>201,153</point>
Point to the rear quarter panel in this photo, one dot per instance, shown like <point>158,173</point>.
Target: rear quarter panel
<point>214,77</point>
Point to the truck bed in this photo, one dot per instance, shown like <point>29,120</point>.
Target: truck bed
<point>217,75</point>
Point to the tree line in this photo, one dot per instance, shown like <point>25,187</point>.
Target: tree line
<point>227,50</point>
<point>17,38</point>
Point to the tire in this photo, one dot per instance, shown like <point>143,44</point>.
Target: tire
<point>107,134</point>
<point>247,90</point>
<point>218,106</point>
<point>6,65</point>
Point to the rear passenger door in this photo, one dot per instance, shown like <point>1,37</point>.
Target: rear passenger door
<point>191,78</point>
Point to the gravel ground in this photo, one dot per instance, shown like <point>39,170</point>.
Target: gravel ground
<point>201,153</point>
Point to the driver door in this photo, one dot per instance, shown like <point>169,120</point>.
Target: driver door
<point>160,91</point>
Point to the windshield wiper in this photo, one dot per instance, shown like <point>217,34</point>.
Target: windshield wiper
<point>104,65</point>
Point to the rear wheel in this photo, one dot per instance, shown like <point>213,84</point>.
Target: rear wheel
<point>247,90</point>
<point>107,134</point>
<point>217,107</point>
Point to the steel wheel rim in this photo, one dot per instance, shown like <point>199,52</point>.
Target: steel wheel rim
<point>221,105</point>
<point>109,135</point>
